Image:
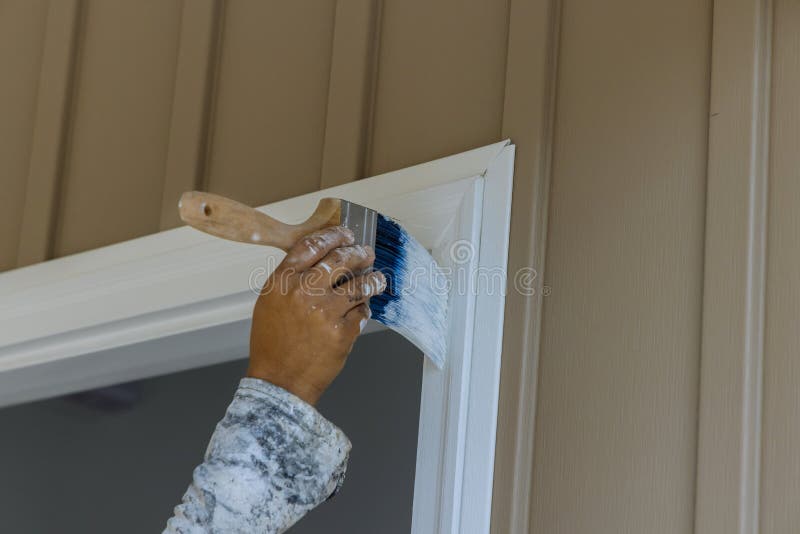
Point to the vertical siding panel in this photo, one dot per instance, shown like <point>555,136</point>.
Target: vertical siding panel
<point>268,122</point>
<point>116,154</point>
<point>440,80</point>
<point>616,413</point>
<point>190,104</point>
<point>49,135</point>
<point>729,428</point>
<point>528,114</point>
<point>350,91</point>
<point>780,475</point>
<point>22,34</point>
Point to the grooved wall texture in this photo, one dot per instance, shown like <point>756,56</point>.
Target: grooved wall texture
<point>110,108</point>
<point>780,439</point>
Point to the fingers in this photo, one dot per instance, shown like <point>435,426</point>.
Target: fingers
<point>357,291</point>
<point>338,265</point>
<point>313,247</point>
<point>356,319</point>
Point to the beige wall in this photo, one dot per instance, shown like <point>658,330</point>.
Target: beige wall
<point>22,27</point>
<point>616,416</point>
<point>256,100</point>
<point>114,107</point>
<point>780,437</point>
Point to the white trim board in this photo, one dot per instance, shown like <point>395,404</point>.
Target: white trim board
<point>180,299</point>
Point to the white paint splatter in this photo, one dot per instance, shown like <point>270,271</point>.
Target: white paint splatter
<point>256,237</point>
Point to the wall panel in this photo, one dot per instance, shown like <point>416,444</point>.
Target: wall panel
<point>22,29</point>
<point>780,471</point>
<point>528,113</point>
<point>116,154</point>
<point>616,415</point>
<point>268,121</point>
<point>441,73</point>
<point>732,348</point>
<point>263,100</point>
<point>194,80</point>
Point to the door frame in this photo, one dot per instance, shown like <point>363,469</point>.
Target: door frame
<point>180,299</point>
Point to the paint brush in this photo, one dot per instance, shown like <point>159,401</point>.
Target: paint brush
<point>414,303</point>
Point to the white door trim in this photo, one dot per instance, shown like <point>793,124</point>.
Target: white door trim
<point>180,299</point>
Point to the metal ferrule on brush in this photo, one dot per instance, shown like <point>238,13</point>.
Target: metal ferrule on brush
<point>363,222</point>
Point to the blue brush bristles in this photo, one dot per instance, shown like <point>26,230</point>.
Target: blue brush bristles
<point>415,300</point>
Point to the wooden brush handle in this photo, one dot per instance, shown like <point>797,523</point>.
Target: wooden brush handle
<point>228,219</point>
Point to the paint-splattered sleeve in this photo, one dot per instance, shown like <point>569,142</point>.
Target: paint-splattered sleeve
<point>271,459</point>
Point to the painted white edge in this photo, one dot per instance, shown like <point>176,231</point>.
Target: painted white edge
<point>180,299</point>
<point>458,416</point>
<point>493,283</point>
<point>443,407</point>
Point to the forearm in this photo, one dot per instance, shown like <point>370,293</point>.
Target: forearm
<point>271,459</point>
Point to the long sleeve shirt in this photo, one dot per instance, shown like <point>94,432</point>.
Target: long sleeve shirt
<point>271,459</point>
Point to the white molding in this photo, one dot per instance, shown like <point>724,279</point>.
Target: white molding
<point>729,429</point>
<point>487,346</point>
<point>181,299</point>
<point>443,407</point>
<point>458,420</point>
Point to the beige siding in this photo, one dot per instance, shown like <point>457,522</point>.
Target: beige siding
<point>116,151</point>
<point>441,71</point>
<point>111,108</point>
<point>272,91</point>
<point>617,400</point>
<point>780,483</point>
<point>22,27</point>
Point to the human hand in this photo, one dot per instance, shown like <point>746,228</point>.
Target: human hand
<point>310,312</point>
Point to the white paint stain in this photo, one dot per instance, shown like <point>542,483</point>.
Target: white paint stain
<point>256,237</point>
<point>203,208</point>
<point>325,266</point>
<point>381,283</point>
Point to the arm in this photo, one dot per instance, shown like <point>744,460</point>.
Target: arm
<point>273,457</point>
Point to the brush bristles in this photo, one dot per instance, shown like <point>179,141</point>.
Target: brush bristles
<point>415,301</point>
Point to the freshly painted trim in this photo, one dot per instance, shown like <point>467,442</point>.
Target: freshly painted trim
<point>181,299</point>
<point>458,414</point>
<point>487,345</point>
<point>443,407</point>
<point>729,458</point>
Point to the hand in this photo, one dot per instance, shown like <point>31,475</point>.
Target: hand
<point>310,312</point>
